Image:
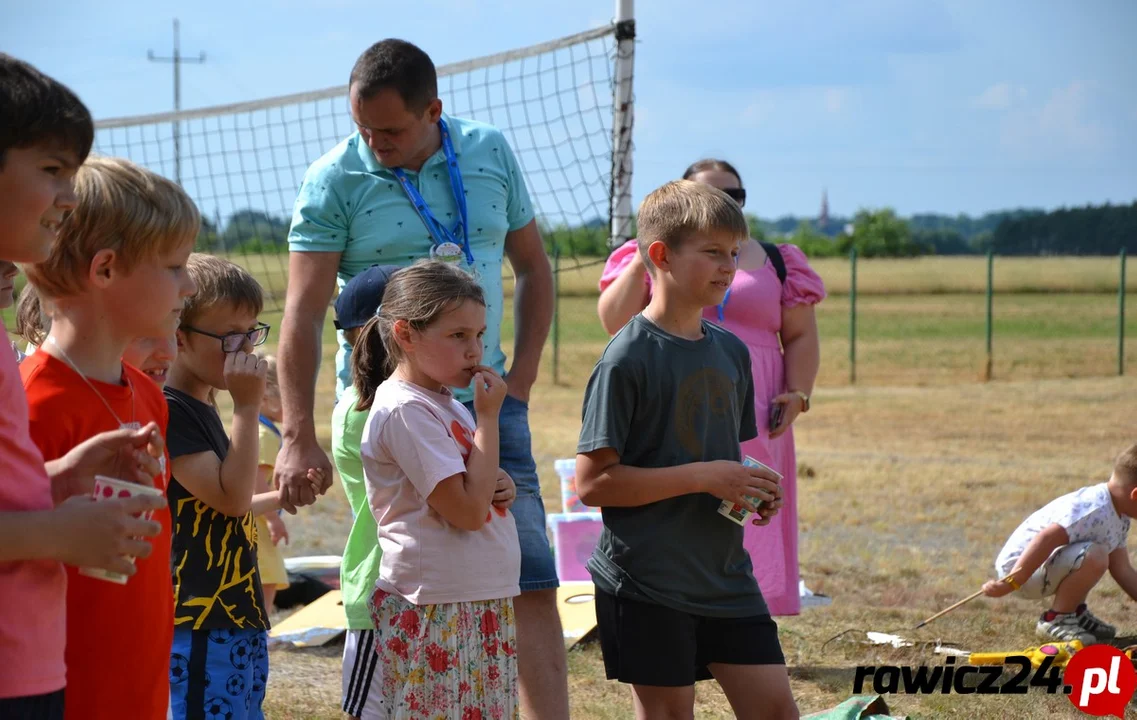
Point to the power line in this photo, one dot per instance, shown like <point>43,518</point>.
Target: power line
<point>176,60</point>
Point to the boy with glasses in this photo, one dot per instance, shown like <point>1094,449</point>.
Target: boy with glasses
<point>234,341</point>
<point>219,664</point>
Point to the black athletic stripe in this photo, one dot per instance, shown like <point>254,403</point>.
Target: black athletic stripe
<point>366,689</point>
<point>349,701</point>
<point>361,678</point>
<point>356,690</point>
<point>195,690</point>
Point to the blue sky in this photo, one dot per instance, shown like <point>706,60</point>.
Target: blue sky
<point>919,105</point>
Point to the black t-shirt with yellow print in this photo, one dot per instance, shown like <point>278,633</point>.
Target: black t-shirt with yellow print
<point>214,556</point>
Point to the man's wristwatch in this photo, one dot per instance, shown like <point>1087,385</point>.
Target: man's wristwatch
<point>804,400</point>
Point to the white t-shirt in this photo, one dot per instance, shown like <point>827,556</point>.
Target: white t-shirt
<point>413,439</point>
<point>1087,515</point>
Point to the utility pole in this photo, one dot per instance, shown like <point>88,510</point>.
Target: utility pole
<point>177,61</point>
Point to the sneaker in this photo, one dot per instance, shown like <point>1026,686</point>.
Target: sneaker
<point>1064,627</point>
<point>1101,629</point>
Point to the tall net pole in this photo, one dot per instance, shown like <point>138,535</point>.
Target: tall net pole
<point>622,120</point>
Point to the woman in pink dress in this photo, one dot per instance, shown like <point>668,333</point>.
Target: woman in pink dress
<point>776,321</point>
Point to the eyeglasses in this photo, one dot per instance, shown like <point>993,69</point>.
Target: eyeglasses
<point>736,194</point>
<point>232,342</point>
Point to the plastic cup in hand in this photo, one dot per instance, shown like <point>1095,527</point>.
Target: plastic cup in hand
<point>109,489</point>
<point>735,512</point>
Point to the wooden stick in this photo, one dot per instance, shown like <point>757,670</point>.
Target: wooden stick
<point>945,611</point>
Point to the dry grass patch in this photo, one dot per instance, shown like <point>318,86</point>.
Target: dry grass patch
<point>906,496</point>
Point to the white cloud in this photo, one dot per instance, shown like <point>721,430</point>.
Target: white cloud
<point>999,96</point>
<point>1065,121</point>
<point>765,106</point>
<point>1066,115</point>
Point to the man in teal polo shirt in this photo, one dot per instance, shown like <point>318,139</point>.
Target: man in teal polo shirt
<point>413,183</point>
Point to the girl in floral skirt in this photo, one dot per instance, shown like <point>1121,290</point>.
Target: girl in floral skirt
<point>443,605</point>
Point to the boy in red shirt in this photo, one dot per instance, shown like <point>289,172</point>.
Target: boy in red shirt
<point>117,272</point>
<point>45,133</point>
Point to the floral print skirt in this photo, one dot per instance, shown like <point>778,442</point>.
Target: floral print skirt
<point>454,660</point>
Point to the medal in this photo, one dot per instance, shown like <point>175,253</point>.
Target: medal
<point>447,252</point>
<point>451,245</point>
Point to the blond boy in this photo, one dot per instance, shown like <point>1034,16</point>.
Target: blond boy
<point>116,273</point>
<point>665,412</point>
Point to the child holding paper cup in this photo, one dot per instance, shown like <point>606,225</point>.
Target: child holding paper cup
<point>46,515</point>
<point>114,273</point>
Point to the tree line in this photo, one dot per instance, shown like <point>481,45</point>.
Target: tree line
<point>1091,230</point>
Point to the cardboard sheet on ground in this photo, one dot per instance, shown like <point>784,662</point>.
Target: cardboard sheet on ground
<point>576,604</point>
<point>315,624</point>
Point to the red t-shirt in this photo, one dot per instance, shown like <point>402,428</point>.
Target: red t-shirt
<point>118,636</point>
<point>32,593</point>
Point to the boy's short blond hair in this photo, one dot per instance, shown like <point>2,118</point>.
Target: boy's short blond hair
<point>122,207</point>
<point>674,212</point>
<point>220,282</point>
<point>1125,466</point>
<point>272,382</point>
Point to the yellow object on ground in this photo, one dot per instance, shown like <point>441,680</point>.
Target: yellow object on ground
<point>1059,652</point>
<point>313,625</point>
<point>576,604</point>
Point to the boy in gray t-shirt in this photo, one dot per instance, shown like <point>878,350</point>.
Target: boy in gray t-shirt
<point>666,410</point>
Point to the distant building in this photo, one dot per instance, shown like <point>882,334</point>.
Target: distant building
<point>823,217</point>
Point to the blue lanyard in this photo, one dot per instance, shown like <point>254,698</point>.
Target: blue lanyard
<point>270,425</point>
<point>725,299</point>
<point>438,231</point>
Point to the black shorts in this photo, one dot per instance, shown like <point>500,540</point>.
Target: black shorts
<point>48,706</point>
<point>648,644</point>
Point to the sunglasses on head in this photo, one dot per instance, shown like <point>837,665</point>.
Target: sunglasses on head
<point>232,342</point>
<point>736,194</point>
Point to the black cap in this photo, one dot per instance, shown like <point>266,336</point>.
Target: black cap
<point>360,298</point>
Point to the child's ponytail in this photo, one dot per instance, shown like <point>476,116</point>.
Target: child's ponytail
<point>369,364</point>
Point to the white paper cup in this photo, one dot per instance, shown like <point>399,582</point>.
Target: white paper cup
<point>735,512</point>
<point>107,488</point>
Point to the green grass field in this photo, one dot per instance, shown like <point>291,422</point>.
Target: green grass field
<point>881,276</point>
<point>906,494</point>
<point>909,481</point>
